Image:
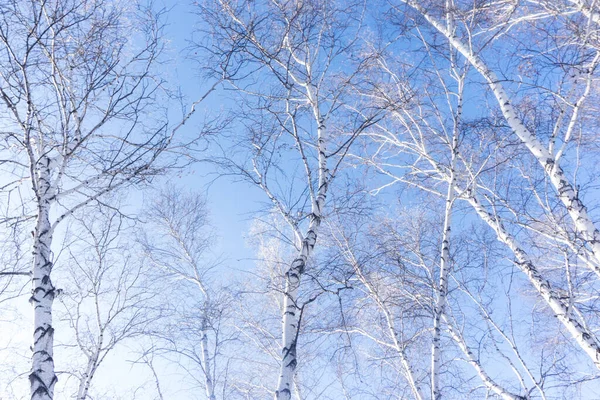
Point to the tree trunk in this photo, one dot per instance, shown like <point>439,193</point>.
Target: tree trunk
<point>86,380</point>
<point>442,290</point>
<point>42,377</point>
<point>291,311</point>
<point>208,381</point>
<point>291,314</point>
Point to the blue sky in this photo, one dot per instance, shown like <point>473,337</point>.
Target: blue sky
<point>230,203</point>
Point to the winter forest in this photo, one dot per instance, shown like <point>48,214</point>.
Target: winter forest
<point>299,199</point>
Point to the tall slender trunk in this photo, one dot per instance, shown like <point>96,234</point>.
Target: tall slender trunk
<point>566,192</point>
<point>93,362</point>
<point>208,380</point>
<point>42,377</point>
<point>291,313</point>
<point>442,289</point>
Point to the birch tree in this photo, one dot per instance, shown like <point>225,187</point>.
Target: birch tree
<point>395,264</point>
<point>417,151</point>
<point>299,117</point>
<point>259,326</point>
<point>573,92</point>
<point>432,168</point>
<point>548,156</point>
<point>79,92</point>
<point>180,249</point>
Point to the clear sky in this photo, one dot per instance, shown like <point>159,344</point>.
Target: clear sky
<point>230,203</point>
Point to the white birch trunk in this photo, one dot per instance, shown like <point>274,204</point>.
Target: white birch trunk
<point>566,192</point>
<point>585,339</point>
<point>291,311</point>
<point>93,362</point>
<point>208,380</point>
<point>42,377</point>
<point>442,289</point>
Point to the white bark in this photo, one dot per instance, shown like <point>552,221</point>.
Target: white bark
<point>42,376</point>
<point>68,73</point>
<point>442,289</point>
<point>291,310</point>
<point>566,192</point>
<point>208,380</point>
<point>95,357</point>
<point>408,370</point>
<point>88,375</point>
<point>304,61</point>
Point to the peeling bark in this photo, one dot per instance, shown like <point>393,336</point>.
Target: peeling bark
<point>42,376</point>
<point>291,310</point>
